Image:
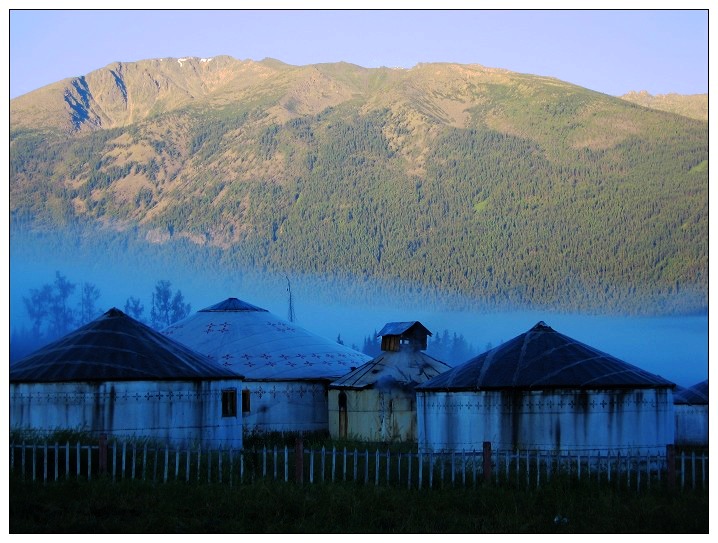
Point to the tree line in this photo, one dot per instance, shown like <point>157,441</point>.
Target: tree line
<point>448,347</point>
<point>56,308</point>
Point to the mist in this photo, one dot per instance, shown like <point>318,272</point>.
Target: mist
<point>674,347</point>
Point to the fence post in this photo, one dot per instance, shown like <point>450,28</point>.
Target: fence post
<point>376,469</point>
<point>311,466</point>
<point>114,460</point>
<point>264,462</point>
<point>431,469</point>
<point>57,460</point>
<point>219,464</point>
<point>144,461</point>
<point>334,460</point>
<point>199,458</point>
<point>408,474</point>
<point>167,461</point>
<point>366,466</point>
<point>421,468</point>
<point>44,465</point>
<point>487,462</point>
<point>286,464</point>
<point>475,465</point>
<point>388,463</point>
<point>528,469</point>
<point>463,467</point>
<point>188,462</point>
<point>124,458</point>
<point>103,454</point>
<point>671,466</point>
<point>298,460</point>
<point>67,458</point>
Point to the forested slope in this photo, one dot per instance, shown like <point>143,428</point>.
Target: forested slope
<point>509,188</point>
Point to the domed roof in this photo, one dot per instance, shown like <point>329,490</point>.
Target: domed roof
<point>261,346</point>
<point>695,395</point>
<point>115,347</point>
<point>404,369</point>
<point>544,359</point>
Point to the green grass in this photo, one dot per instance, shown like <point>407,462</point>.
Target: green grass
<point>268,507</point>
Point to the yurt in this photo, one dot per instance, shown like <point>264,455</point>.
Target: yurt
<point>286,368</point>
<point>117,376</point>
<point>377,401</point>
<point>543,390</point>
<point>691,410</point>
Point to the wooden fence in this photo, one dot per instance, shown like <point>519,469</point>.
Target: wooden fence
<point>119,460</point>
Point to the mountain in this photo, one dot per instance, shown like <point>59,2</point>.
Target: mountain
<point>509,188</point>
<point>694,106</point>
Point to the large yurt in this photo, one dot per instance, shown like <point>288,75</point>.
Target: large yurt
<point>377,401</point>
<point>117,376</point>
<point>691,410</point>
<point>286,368</point>
<point>543,390</point>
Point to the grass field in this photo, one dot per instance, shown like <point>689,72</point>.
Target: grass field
<point>563,506</point>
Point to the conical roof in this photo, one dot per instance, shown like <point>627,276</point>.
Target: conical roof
<point>544,359</point>
<point>405,368</point>
<point>115,347</point>
<point>695,395</point>
<point>262,346</point>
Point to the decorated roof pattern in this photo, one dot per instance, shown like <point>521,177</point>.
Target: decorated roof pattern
<point>406,368</point>
<point>544,359</point>
<point>115,347</point>
<point>262,346</point>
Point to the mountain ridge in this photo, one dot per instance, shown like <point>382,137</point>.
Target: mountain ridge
<point>475,180</point>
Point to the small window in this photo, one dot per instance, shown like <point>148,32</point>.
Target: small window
<point>246,408</point>
<point>229,402</point>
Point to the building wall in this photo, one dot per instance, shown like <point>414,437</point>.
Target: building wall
<point>691,425</point>
<point>183,413</point>
<point>374,415</point>
<point>546,420</point>
<point>292,406</point>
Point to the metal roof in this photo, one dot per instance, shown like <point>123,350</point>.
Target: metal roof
<point>695,395</point>
<point>233,304</point>
<point>115,347</point>
<point>262,346</point>
<point>399,328</point>
<point>406,368</point>
<point>544,359</point>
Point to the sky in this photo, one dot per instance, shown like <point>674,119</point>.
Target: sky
<point>610,51</point>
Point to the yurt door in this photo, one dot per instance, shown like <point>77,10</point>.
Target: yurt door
<point>342,415</point>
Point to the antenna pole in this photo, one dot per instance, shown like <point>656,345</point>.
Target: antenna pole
<point>291,301</point>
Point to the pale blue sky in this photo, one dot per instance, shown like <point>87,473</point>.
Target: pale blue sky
<point>609,51</point>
